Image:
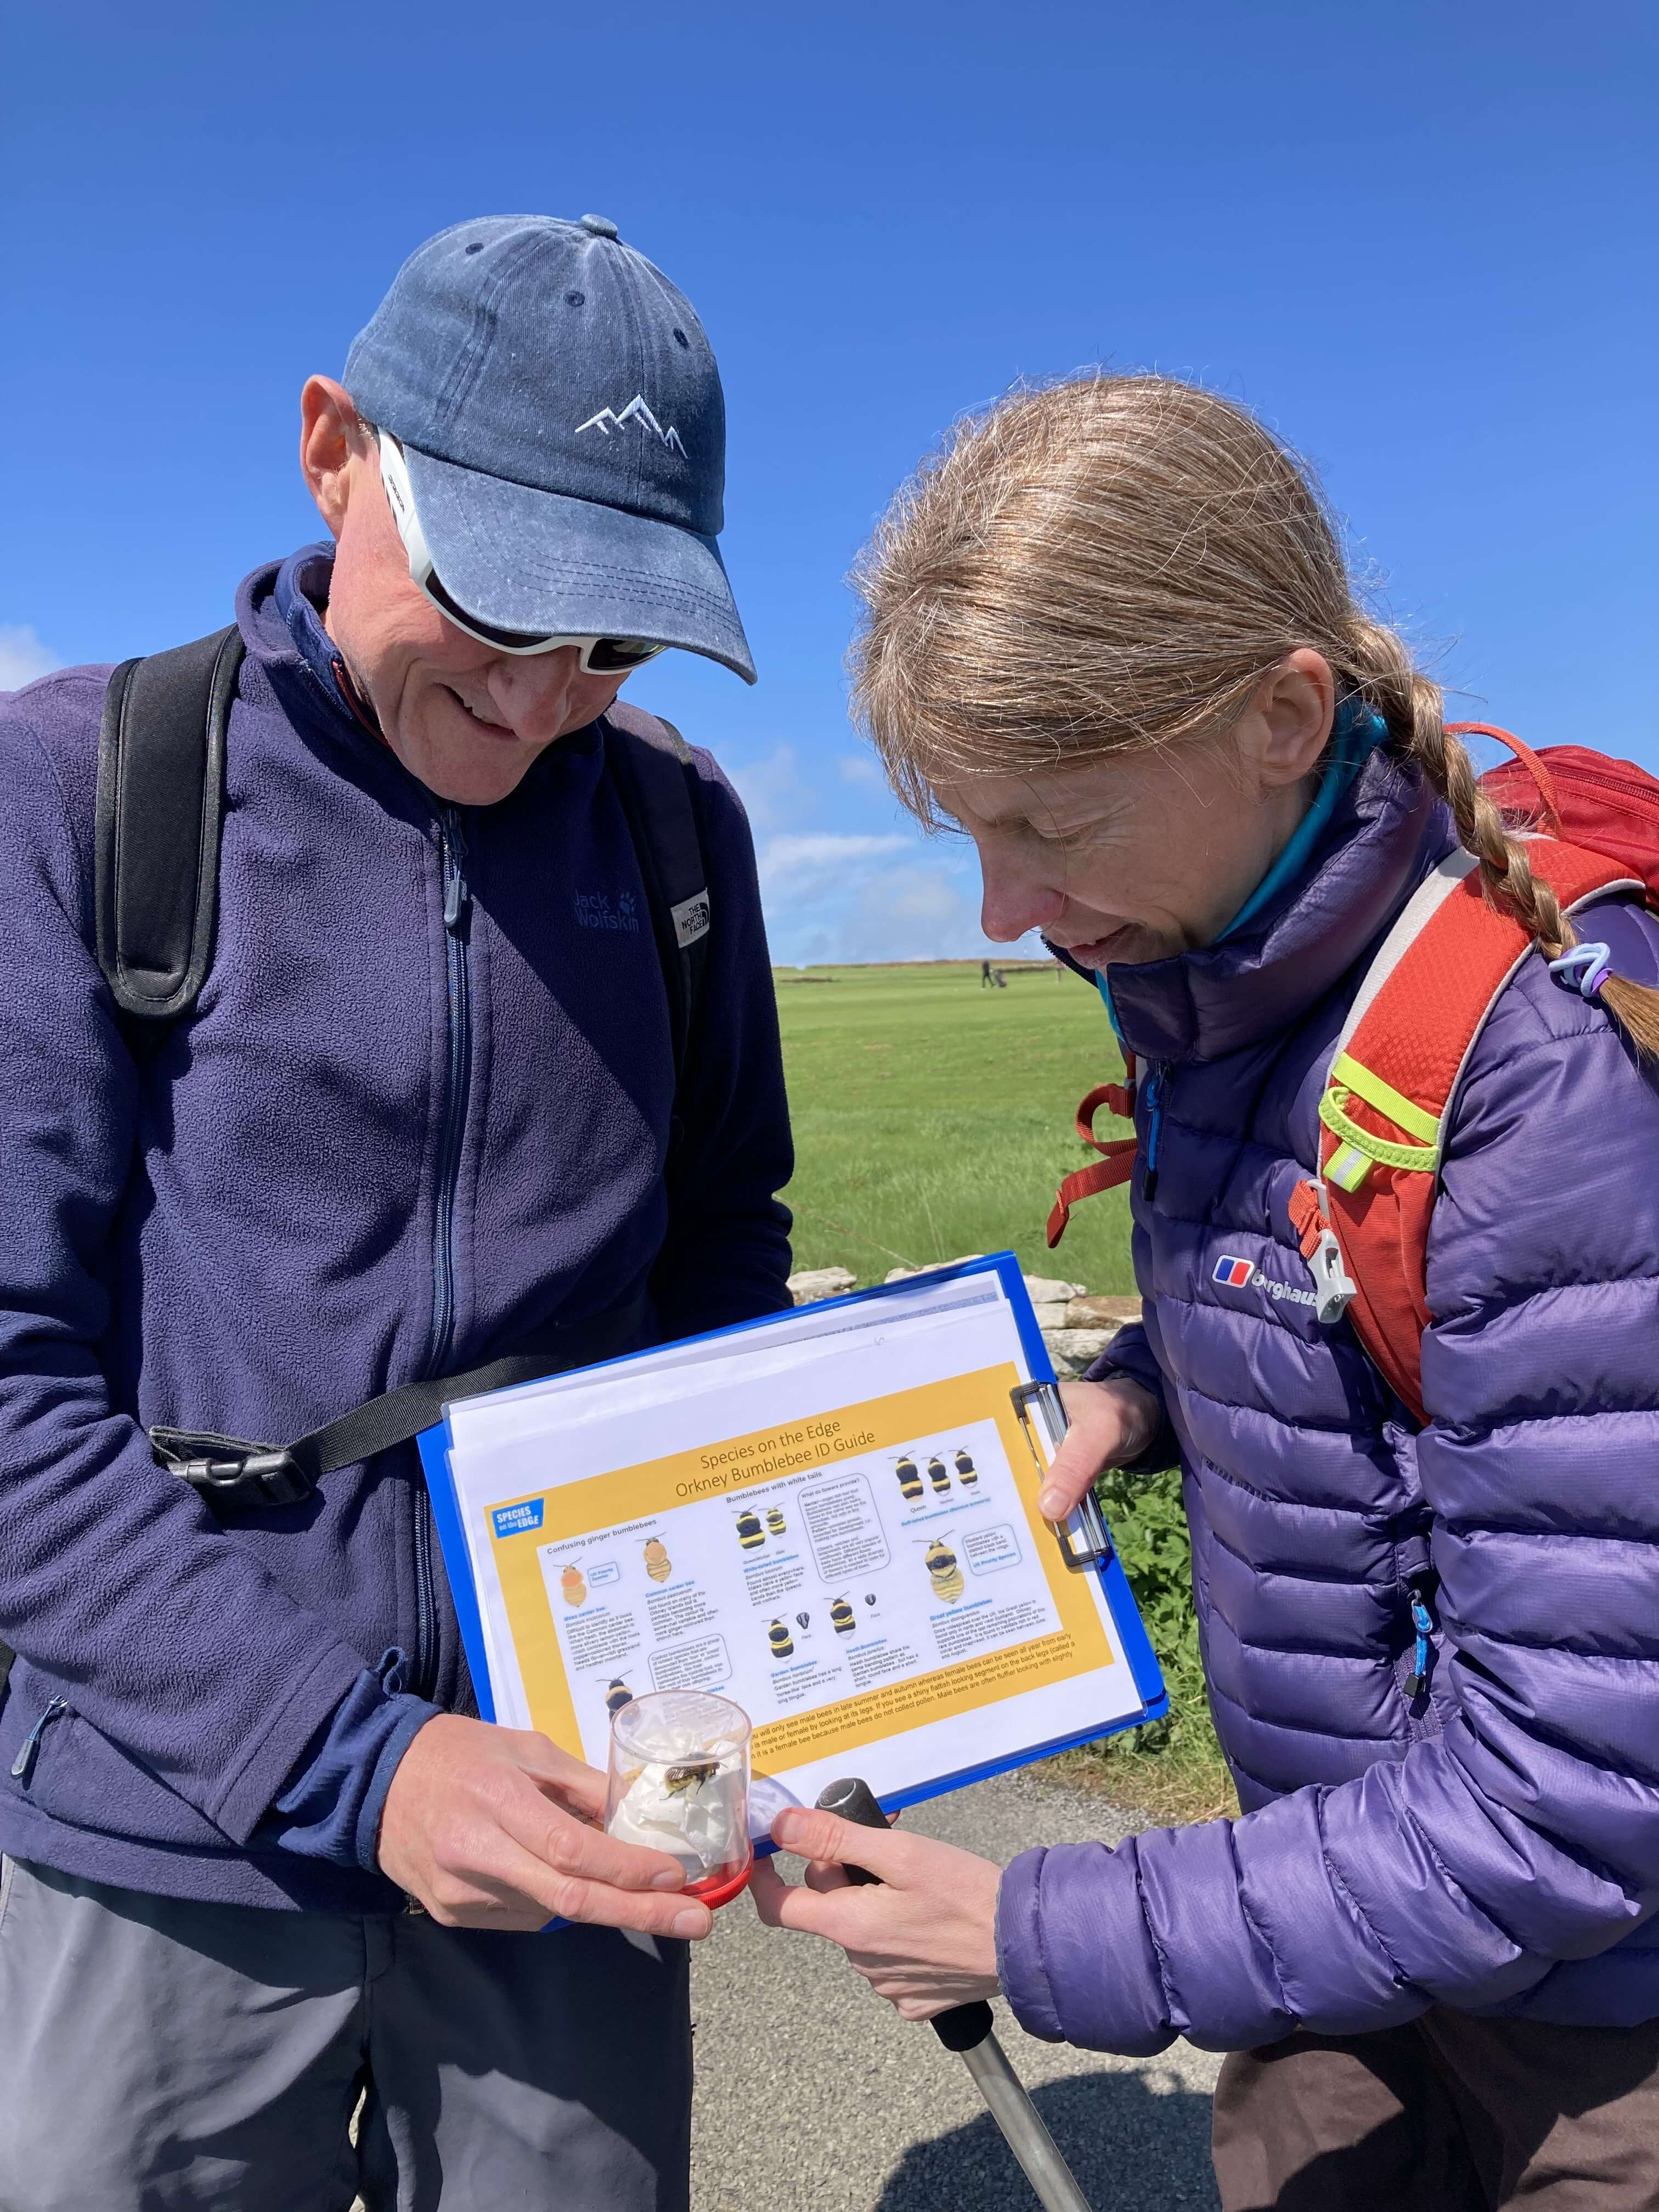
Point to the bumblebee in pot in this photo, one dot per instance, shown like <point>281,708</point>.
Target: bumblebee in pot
<point>943,1571</point>
<point>909,1479</point>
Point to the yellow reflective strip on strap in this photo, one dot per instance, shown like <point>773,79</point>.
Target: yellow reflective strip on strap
<point>1420,1158</point>
<point>1386,1099</point>
<point>1347,1167</point>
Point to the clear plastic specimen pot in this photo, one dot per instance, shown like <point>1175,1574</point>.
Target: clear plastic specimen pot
<point>680,1783</point>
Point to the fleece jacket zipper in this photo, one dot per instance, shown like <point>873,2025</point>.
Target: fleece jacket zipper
<point>452,1128</point>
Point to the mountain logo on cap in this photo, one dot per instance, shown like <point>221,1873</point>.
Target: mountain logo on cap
<point>608,420</point>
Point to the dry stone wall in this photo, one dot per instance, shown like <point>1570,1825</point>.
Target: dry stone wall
<point>1077,1327</point>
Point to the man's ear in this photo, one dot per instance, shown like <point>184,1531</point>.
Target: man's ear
<point>1287,724</point>
<point>332,435</point>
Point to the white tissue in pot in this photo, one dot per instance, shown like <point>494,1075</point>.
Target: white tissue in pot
<point>704,1825</point>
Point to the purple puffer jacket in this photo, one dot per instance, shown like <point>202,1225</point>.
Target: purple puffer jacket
<point>1494,1846</point>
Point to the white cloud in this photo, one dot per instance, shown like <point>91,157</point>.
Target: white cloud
<point>832,899</point>
<point>22,657</point>
<point>861,768</point>
<point>773,790</point>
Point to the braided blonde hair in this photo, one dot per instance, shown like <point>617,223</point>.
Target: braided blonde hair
<point>1115,563</point>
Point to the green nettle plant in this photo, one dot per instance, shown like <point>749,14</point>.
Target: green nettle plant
<point>1172,1770</point>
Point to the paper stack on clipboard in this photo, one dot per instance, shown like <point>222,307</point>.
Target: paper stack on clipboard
<point>828,1517</point>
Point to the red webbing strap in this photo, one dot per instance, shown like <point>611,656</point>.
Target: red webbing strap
<point>1535,768</point>
<point>1415,1036</point>
<point>1306,1219</point>
<point>1116,1167</point>
<point>1117,1160</point>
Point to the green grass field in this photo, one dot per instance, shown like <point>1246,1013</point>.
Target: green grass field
<point>934,1117</point>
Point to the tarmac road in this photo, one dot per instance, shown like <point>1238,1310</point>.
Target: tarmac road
<point>813,2096</point>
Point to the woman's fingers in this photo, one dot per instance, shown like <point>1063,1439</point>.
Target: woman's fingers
<point>830,1841</point>
<point>1110,1423</point>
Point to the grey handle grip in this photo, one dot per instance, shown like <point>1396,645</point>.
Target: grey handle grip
<point>964,2027</point>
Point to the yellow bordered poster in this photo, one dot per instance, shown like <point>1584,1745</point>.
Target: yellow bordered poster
<point>842,1535</point>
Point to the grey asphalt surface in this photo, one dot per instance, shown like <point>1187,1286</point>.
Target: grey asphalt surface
<point>813,2096</point>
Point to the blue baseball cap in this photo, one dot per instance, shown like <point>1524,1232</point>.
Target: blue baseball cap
<point>562,419</point>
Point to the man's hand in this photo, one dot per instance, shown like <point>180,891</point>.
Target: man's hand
<point>1110,1423</point>
<point>923,1935</point>
<point>491,1827</point>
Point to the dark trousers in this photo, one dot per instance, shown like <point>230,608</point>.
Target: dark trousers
<point>158,2055</point>
<point>1449,2114</point>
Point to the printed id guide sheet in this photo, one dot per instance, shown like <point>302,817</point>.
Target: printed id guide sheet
<point>829,1518</point>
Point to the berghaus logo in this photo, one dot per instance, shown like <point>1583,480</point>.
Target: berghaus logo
<point>1235,1274</point>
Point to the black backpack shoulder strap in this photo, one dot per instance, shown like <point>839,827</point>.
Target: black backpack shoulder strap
<point>651,764</point>
<point>159,811</point>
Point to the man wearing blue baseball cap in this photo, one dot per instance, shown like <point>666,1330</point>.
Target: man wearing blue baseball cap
<point>389,1017</point>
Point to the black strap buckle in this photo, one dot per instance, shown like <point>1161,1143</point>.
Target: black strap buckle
<point>231,1475</point>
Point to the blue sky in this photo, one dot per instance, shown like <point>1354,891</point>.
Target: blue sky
<point>1418,239</point>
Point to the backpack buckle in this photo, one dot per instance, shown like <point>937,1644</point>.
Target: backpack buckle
<point>1334,1288</point>
<point>230,1475</point>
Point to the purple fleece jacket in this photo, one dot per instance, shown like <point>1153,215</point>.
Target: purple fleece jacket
<point>336,1178</point>
<point>1493,1845</point>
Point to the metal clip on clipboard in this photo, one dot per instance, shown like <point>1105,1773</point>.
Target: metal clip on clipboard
<point>1083,1538</point>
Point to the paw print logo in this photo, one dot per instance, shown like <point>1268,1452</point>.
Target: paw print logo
<point>625,902</point>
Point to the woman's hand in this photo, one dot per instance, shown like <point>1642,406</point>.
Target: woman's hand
<point>1111,1423</point>
<point>496,1827</point>
<point>923,1934</point>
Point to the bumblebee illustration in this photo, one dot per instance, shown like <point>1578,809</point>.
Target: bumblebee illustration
<point>943,1572</point>
<point>617,1696</point>
<point>572,1588</point>
<point>775,1521</point>
<point>966,1473</point>
<point>782,1641</point>
<point>658,1565</point>
<point>909,1480</point>
<point>938,1476</point>
<point>842,1619</point>
<point>749,1532</point>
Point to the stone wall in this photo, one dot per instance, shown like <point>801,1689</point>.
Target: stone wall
<point>1075,1326</point>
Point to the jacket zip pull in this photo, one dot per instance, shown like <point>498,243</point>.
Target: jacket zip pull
<point>1154,1132</point>
<point>1422,1621</point>
<point>457,897</point>
<point>23,1765</point>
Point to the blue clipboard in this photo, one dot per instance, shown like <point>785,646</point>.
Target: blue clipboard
<point>1089,1549</point>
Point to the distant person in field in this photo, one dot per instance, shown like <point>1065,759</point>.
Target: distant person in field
<point>985,974</point>
<point>459,1087</point>
<point>1424,1551</point>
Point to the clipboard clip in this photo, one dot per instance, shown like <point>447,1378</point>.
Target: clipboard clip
<point>1084,1539</point>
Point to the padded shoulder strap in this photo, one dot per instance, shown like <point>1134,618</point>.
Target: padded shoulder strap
<point>160,811</point>
<point>1387,1104</point>
<point>651,764</point>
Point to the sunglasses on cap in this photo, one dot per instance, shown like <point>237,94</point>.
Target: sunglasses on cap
<point>598,656</point>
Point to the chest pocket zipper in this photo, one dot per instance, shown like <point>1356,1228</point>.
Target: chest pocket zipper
<point>22,1767</point>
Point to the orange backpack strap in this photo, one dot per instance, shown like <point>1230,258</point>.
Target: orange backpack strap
<point>1387,1100</point>
<point>1117,1161</point>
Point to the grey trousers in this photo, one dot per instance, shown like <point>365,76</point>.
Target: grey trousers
<point>162,2056</point>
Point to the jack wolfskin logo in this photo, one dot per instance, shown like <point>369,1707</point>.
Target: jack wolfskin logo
<point>1235,1274</point>
<point>598,910</point>
<point>608,420</point>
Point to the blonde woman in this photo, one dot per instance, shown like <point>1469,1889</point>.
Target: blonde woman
<point>1110,635</point>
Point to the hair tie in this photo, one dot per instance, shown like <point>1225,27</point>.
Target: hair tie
<point>1584,969</point>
